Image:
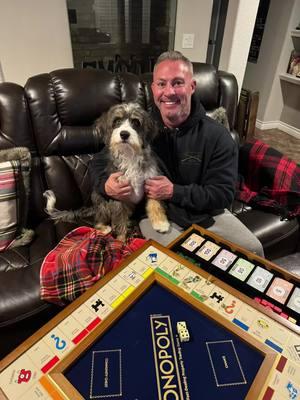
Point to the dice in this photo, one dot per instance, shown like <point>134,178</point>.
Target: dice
<point>182,331</point>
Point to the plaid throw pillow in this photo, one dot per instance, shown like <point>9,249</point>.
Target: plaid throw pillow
<point>268,180</point>
<point>14,189</point>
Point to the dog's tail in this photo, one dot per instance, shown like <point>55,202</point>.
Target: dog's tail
<point>65,215</point>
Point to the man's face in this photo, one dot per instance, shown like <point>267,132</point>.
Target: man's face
<point>172,87</point>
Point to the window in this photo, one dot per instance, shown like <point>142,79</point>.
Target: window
<point>121,35</point>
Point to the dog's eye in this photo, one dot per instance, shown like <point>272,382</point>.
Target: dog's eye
<point>135,123</point>
<point>116,122</point>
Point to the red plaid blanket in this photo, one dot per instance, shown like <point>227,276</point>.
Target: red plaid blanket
<point>268,180</point>
<point>80,259</point>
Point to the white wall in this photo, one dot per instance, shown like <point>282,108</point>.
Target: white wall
<point>35,38</point>
<point>238,31</point>
<point>193,16</point>
<point>279,102</point>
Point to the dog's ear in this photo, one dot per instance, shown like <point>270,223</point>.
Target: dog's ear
<point>150,127</point>
<point>101,127</point>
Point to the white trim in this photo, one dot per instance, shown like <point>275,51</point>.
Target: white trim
<point>1,73</point>
<point>266,125</point>
<point>291,130</point>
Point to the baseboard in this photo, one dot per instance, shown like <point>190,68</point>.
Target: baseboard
<point>291,130</point>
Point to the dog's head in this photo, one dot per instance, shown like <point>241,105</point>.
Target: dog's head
<point>126,124</point>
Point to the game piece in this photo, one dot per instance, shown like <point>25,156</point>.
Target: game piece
<point>184,335</point>
<point>260,279</point>
<point>208,250</point>
<point>182,331</point>
<point>192,242</point>
<point>241,269</point>
<point>224,259</point>
<point>181,325</point>
<point>280,290</point>
<point>294,302</point>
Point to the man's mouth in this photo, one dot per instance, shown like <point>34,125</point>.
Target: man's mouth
<point>170,103</point>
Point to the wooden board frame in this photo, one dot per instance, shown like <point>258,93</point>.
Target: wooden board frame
<point>67,390</point>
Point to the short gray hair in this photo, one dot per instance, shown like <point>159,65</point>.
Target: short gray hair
<point>174,55</point>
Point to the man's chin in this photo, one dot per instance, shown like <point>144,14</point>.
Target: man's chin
<point>171,116</point>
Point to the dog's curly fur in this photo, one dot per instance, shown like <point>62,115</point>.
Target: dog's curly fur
<point>126,130</point>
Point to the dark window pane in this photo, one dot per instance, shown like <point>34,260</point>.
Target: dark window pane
<point>121,35</point>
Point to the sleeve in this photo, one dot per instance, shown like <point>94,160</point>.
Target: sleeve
<point>217,188</point>
<point>97,170</point>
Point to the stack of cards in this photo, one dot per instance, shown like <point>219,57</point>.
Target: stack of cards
<point>237,270</point>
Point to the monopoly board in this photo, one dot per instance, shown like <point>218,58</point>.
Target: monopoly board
<point>119,340</point>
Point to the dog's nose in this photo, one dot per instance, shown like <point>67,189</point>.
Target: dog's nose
<point>124,135</point>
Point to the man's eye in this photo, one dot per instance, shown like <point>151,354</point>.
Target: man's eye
<point>161,85</point>
<point>135,123</point>
<point>116,122</point>
<point>178,83</point>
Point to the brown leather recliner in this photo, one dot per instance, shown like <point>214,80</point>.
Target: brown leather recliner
<point>53,116</point>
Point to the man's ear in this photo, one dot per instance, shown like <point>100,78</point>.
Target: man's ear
<point>193,84</point>
<point>152,86</point>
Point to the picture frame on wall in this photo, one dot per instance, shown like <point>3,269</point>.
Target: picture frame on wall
<point>294,64</point>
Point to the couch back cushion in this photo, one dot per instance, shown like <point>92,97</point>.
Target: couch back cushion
<point>64,106</point>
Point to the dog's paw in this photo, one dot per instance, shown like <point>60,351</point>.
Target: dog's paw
<point>122,238</point>
<point>105,229</point>
<point>51,200</point>
<point>161,226</point>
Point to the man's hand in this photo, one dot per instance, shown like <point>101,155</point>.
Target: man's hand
<point>159,188</point>
<point>118,188</point>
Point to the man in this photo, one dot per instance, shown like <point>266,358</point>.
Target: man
<point>199,160</point>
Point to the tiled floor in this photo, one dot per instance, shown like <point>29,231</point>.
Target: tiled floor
<point>285,143</point>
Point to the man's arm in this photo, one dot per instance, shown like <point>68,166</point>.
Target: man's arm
<point>110,186</point>
<point>159,188</point>
<point>216,190</point>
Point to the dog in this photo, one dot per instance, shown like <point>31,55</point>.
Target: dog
<point>126,130</point>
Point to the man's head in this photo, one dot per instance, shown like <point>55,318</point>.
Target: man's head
<point>173,85</point>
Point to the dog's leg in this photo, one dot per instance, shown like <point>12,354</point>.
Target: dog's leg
<point>157,215</point>
<point>103,218</point>
<point>105,229</point>
<point>121,214</point>
<point>102,215</point>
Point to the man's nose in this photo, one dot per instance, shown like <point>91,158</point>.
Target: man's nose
<point>169,89</point>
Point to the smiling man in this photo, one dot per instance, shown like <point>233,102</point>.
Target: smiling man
<point>199,159</point>
<point>173,85</point>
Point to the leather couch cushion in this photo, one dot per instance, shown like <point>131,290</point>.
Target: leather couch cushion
<point>20,284</point>
<point>277,237</point>
<point>291,263</point>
